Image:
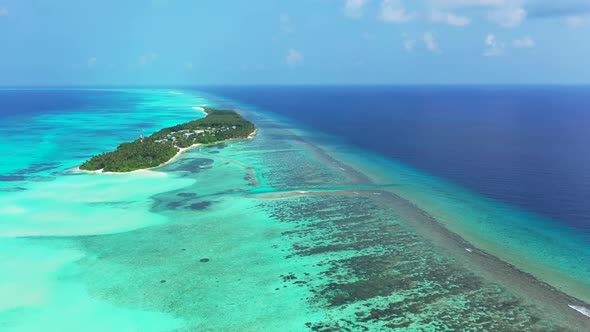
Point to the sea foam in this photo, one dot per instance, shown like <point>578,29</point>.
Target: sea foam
<point>583,310</point>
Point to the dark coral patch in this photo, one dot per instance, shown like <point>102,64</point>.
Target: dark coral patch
<point>7,178</point>
<point>200,206</point>
<point>186,195</point>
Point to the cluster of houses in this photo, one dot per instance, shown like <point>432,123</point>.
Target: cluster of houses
<point>172,137</point>
<point>175,135</point>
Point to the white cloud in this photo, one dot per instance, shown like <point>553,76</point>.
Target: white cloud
<point>526,42</point>
<point>431,43</point>
<point>494,47</point>
<point>508,17</point>
<point>91,62</point>
<point>287,24</point>
<point>428,40</point>
<point>189,66</point>
<point>148,58</point>
<point>3,11</point>
<point>394,11</point>
<point>355,8</point>
<point>490,40</point>
<point>408,42</point>
<point>449,18</point>
<point>294,57</point>
<point>507,13</point>
<point>579,21</point>
<point>474,3</point>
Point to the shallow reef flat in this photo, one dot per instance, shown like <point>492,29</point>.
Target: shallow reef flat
<point>277,233</point>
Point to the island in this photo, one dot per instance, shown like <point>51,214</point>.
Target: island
<point>161,147</point>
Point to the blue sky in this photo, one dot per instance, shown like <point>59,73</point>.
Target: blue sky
<point>131,42</point>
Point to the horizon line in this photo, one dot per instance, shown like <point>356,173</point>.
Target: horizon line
<point>292,85</point>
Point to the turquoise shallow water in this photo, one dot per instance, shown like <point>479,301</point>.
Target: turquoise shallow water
<point>290,231</point>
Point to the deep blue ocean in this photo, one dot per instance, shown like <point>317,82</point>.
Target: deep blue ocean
<point>525,146</point>
<point>21,103</point>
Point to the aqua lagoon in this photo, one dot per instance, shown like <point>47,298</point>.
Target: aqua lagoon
<point>294,230</point>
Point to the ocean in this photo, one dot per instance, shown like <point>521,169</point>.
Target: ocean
<point>525,146</point>
<point>354,208</point>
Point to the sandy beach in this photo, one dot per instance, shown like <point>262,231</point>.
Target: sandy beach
<point>176,156</point>
<point>254,133</point>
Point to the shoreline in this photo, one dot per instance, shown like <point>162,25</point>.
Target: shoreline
<point>253,134</point>
<point>227,124</point>
<point>173,159</point>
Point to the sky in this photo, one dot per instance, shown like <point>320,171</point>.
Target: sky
<point>237,42</point>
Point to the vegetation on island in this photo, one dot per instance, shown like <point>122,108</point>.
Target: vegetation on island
<point>152,151</point>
